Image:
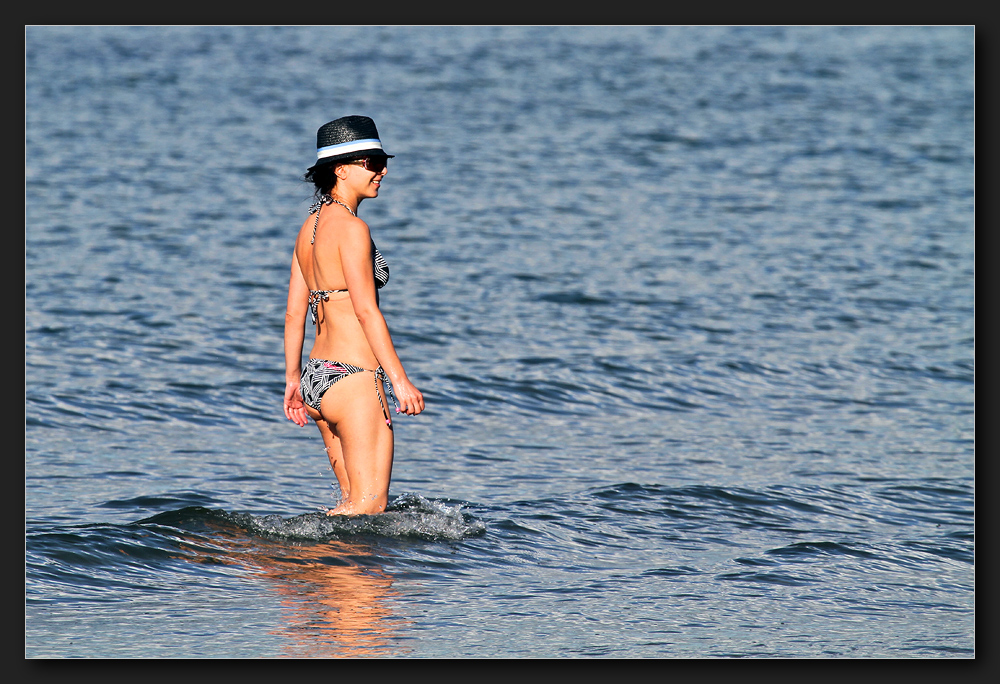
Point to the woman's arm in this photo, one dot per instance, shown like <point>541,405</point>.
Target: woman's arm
<point>356,258</point>
<point>295,333</point>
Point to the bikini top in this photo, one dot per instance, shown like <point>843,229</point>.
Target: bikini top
<point>380,265</point>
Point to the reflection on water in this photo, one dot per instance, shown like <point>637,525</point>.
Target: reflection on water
<point>334,594</point>
<point>335,607</point>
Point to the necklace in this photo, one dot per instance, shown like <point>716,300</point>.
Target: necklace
<point>334,199</point>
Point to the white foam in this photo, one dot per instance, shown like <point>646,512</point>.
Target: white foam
<point>409,515</point>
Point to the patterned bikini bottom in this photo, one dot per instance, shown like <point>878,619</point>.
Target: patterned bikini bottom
<point>320,374</point>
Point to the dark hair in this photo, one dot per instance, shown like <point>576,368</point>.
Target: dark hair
<point>323,177</point>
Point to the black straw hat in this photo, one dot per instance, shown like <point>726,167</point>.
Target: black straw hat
<point>346,138</point>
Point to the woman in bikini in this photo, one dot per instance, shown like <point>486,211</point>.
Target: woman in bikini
<point>336,274</point>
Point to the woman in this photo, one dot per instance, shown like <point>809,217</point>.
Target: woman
<point>336,273</point>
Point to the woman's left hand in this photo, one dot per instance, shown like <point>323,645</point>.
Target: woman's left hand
<point>295,408</point>
<point>411,401</point>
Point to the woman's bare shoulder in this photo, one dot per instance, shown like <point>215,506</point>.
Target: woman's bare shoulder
<point>336,230</point>
<point>352,230</point>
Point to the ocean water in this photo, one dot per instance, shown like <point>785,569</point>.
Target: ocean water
<point>693,309</point>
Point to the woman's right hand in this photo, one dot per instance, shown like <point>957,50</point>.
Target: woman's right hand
<point>295,408</point>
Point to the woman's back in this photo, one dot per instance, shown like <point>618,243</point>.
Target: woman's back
<point>318,249</point>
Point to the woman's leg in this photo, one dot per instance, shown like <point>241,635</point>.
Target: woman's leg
<point>334,452</point>
<point>351,407</point>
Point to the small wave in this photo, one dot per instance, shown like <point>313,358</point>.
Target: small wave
<point>406,516</point>
<point>781,578</point>
<point>808,550</point>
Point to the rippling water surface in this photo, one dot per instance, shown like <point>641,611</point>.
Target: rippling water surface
<point>693,310</point>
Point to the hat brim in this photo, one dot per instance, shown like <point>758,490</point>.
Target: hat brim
<point>348,156</point>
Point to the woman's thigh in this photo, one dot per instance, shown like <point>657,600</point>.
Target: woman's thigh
<point>351,407</point>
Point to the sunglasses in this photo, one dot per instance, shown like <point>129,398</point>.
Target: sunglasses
<point>373,164</point>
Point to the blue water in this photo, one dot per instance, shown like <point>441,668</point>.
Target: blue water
<point>693,309</point>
